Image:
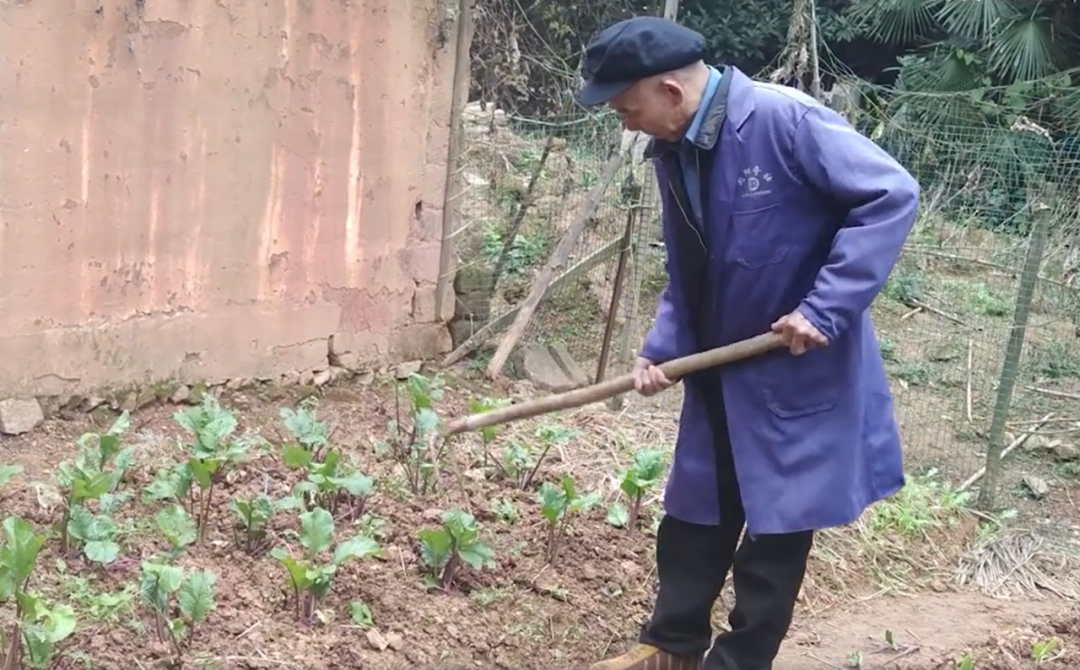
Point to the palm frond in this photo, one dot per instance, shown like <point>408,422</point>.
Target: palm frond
<point>895,21</point>
<point>942,67</point>
<point>1025,49</point>
<point>976,19</point>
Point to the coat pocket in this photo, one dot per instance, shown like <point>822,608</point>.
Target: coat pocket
<point>757,237</point>
<point>797,386</point>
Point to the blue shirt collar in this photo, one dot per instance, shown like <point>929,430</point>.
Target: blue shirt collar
<point>706,101</point>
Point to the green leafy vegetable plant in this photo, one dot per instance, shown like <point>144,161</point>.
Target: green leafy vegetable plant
<point>254,516</point>
<point>30,640</point>
<point>489,433</point>
<point>361,615</point>
<point>455,542</point>
<point>177,526</point>
<point>213,451</point>
<point>97,532</point>
<point>307,432</point>
<point>644,473</point>
<point>414,447</point>
<point>166,588</point>
<point>93,477</point>
<point>332,483</point>
<point>310,575</point>
<point>520,463</point>
<point>558,502</point>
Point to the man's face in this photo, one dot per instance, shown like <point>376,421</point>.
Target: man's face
<point>652,106</point>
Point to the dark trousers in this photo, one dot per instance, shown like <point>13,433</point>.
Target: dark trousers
<point>692,565</point>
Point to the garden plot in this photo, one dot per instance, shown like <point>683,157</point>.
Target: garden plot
<point>317,530</point>
<point>220,544</point>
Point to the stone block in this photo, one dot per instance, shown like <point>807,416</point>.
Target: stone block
<point>20,415</point>
<point>420,341</point>
<point>568,364</point>
<point>473,279</point>
<point>462,329</point>
<point>549,368</point>
<point>423,304</point>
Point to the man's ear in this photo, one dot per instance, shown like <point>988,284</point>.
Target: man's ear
<point>672,89</point>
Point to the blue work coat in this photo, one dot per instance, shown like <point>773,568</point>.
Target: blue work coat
<point>799,211</point>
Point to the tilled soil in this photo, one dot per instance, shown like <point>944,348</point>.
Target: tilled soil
<point>525,613</point>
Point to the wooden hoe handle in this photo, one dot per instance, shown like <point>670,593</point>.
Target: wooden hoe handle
<point>674,369</point>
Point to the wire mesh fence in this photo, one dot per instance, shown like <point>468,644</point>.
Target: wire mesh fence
<point>977,324</point>
<point>529,184</point>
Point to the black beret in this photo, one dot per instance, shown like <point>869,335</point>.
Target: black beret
<point>623,54</point>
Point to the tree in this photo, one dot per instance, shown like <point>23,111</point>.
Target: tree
<point>966,44</point>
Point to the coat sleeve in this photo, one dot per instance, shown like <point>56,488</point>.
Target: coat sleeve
<point>881,199</point>
<point>666,339</point>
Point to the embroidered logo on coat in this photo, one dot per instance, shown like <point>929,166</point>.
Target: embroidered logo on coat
<point>754,182</point>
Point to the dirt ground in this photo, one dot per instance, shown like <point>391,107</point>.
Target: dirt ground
<point>936,630</point>
<point>523,612</point>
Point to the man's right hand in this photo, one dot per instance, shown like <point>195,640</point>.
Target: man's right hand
<point>648,378</point>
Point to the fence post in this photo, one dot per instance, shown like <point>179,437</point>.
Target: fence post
<point>459,97</point>
<point>1040,215</point>
<point>620,279</point>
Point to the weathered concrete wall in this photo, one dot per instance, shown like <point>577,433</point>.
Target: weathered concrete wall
<point>212,189</point>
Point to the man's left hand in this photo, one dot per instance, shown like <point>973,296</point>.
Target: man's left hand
<point>798,333</point>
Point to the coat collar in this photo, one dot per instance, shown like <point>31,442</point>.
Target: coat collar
<point>734,100</point>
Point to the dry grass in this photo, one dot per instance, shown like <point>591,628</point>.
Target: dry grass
<point>1024,563</point>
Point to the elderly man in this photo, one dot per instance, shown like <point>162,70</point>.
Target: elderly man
<point>777,215</point>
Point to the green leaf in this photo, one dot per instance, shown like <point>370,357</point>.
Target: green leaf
<point>459,523</point>
<point>177,628</point>
<point>553,501</point>
<point>196,596</point>
<point>645,472</point>
<point>361,614</point>
<point>618,515</point>
<point>976,21</point>
<point>102,551</point>
<point>109,503</point>
<point>316,530</point>
<point>290,502</point>
<point>426,421</point>
<point>202,469</point>
<point>80,523</point>
<point>435,546</point>
<point>59,622</point>
<point>176,525</point>
<point>477,555</point>
<point>320,577</point>
<point>7,472</point>
<point>895,21</point>
<point>295,457</point>
<point>172,483</point>
<point>90,487</point>
<point>585,502</point>
<point>555,434</point>
<point>297,572</point>
<point>120,426</point>
<point>1026,48</point>
<point>357,547</point>
<point>305,428</point>
<point>19,553</point>
<point>355,484</point>
<point>43,627</point>
<point>157,581</point>
<point>254,513</point>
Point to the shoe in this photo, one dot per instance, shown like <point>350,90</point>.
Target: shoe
<point>647,657</point>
